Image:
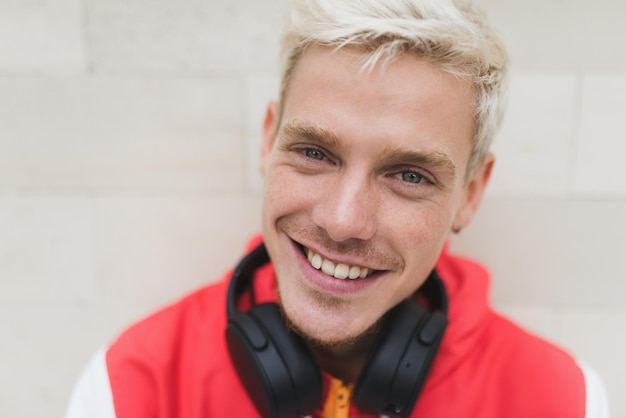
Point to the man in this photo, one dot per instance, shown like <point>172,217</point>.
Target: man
<point>376,151</point>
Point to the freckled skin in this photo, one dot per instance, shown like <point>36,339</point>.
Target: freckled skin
<point>365,167</point>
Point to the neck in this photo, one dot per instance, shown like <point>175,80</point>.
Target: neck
<point>345,361</point>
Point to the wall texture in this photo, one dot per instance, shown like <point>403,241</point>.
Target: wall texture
<point>129,134</point>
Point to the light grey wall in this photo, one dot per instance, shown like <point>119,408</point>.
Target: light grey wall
<point>129,135</point>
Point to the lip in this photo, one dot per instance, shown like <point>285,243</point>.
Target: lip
<point>328,284</point>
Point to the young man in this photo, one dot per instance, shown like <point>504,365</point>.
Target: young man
<point>376,151</point>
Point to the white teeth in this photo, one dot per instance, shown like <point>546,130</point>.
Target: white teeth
<point>316,260</point>
<point>328,267</point>
<point>339,271</point>
<point>355,272</point>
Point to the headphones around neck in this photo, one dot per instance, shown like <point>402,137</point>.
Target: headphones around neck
<point>282,377</point>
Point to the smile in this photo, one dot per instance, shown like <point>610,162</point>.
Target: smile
<point>338,271</point>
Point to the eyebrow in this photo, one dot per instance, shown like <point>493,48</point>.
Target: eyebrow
<point>434,159</point>
<point>321,136</point>
<point>392,155</point>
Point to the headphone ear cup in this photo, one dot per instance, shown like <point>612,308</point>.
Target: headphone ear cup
<point>277,369</point>
<point>397,367</point>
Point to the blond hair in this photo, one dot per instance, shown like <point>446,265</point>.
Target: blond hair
<point>451,34</point>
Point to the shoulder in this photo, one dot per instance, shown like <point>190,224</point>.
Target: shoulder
<point>532,368</point>
<point>137,368</point>
<point>166,355</point>
<point>162,333</point>
<point>533,354</point>
<point>174,324</point>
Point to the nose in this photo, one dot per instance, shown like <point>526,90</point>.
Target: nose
<point>346,209</point>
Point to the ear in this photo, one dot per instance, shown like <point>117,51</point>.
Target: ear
<point>474,191</point>
<point>269,134</point>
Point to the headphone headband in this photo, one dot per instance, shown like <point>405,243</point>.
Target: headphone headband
<point>243,275</point>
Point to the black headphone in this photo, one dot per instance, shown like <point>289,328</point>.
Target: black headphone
<point>282,377</point>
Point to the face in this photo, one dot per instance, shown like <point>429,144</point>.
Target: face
<point>364,178</point>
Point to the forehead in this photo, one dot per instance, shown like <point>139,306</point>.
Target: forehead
<point>408,103</point>
<point>362,65</point>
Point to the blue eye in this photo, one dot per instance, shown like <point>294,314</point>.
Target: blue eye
<point>411,177</point>
<point>314,154</point>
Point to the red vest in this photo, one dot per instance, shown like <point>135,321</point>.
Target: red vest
<point>176,364</point>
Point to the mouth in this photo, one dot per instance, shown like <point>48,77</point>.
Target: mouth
<point>337,270</point>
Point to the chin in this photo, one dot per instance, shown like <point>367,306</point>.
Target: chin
<point>335,340</point>
<point>326,324</point>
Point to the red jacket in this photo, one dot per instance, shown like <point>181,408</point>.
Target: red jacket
<point>176,363</point>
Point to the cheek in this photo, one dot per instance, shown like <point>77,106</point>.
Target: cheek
<point>419,239</point>
<point>282,199</point>
<point>418,225</point>
<point>286,192</point>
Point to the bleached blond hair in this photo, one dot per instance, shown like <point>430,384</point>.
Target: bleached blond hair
<point>451,34</point>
